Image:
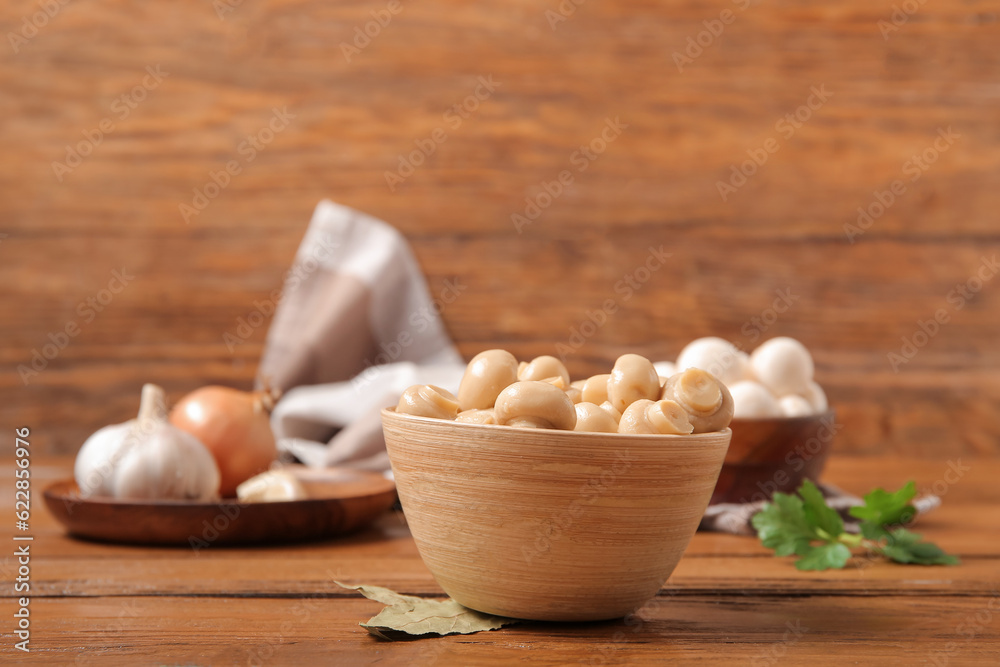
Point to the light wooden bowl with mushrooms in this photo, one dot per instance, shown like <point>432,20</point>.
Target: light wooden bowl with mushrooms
<point>546,524</point>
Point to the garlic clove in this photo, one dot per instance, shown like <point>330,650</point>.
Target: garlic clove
<point>271,486</point>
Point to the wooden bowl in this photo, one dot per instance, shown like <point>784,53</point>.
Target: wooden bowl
<point>343,500</point>
<point>768,455</point>
<point>550,525</point>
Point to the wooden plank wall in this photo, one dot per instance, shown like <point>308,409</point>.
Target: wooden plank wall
<point>928,87</point>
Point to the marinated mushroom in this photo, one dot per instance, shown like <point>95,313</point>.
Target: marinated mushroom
<point>556,380</point>
<point>485,377</point>
<point>706,400</point>
<point>534,404</point>
<point>664,416</point>
<point>633,378</point>
<point>590,417</point>
<point>477,416</point>
<point>614,412</point>
<point>541,368</point>
<point>595,389</point>
<point>426,400</point>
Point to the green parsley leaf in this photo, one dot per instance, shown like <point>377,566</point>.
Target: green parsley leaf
<point>824,557</point>
<point>883,508</point>
<point>904,546</point>
<point>818,513</point>
<point>782,526</point>
<point>804,525</point>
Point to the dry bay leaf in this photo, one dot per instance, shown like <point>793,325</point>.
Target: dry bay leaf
<point>417,616</point>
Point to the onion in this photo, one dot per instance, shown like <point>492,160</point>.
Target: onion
<point>235,426</point>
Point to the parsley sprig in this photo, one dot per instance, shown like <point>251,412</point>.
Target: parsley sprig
<point>804,525</point>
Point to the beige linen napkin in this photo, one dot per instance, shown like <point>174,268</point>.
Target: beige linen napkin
<point>354,327</point>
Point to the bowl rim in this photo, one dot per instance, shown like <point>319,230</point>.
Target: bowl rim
<point>709,437</point>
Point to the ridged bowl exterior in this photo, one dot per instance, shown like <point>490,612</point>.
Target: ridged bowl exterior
<point>550,525</point>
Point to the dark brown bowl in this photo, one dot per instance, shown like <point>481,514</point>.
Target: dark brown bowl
<point>775,454</point>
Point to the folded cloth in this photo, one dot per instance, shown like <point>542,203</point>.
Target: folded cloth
<point>305,413</point>
<point>353,311</point>
<point>735,517</point>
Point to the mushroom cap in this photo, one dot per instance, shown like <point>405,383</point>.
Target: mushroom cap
<point>595,388</point>
<point>752,400</point>
<point>590,417</point>
<point>816,397</point>
<point>715,355</point>
<point>427,400</point>
<point>535,404</point>
<point>543,367</point>
<point>487,374</point>
<point>794,405</point>
<point>783,365</point>
<point>633,378</point>
<point>662,417</point>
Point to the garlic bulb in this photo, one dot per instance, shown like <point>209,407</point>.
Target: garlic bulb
<point>146,458</point>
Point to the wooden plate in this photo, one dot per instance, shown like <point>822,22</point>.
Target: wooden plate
<point>350,500</point>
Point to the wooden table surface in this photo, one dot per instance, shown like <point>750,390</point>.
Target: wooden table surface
<point>728,600</point>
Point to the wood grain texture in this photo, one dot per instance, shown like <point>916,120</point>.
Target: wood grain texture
<point>655,184</point>
<point>728,600</point>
